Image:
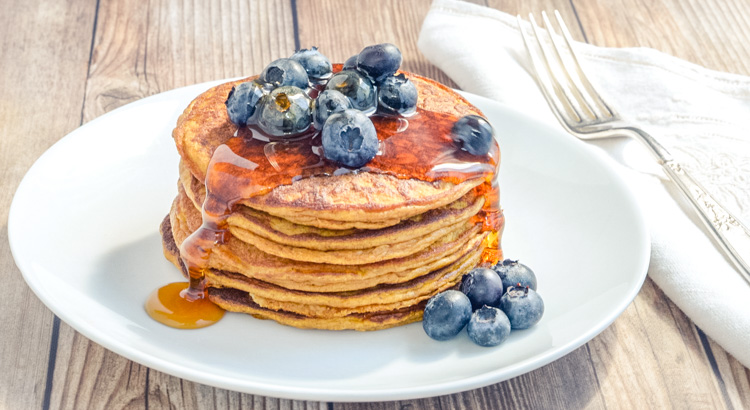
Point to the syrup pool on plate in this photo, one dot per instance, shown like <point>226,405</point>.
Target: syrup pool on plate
<point>169,305</point>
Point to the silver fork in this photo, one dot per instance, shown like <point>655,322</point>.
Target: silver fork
<point>583,112</point>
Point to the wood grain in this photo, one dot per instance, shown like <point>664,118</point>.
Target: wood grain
<point>42,77</point>
<point>712,33</point>
<point>651,356</point>
<point>732,376</point>
<point>570,383</point>
<point>140,51</point>
<point>96,57</point>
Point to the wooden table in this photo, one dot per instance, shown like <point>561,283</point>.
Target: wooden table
<point>65,63</point>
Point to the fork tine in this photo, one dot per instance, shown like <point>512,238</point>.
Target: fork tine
<point>582,98</point>
<point>550,86</point>
<point>579,71</point>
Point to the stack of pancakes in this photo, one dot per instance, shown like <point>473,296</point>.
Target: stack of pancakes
<point>360,250</point>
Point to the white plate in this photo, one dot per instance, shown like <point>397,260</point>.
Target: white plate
<point>83,228</point>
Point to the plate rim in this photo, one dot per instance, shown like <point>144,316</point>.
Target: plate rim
<point>334,395</point>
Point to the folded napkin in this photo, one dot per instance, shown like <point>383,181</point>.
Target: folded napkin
<point>701,116</point>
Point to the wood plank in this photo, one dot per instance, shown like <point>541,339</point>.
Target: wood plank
<point>568,383</point>
<point>141,50</point>
<point>732,376</point>
<point>89,376</point>
<point>651,357</point>
<point>703,32</point>
<point>168,392</point>
<point>42,82</point>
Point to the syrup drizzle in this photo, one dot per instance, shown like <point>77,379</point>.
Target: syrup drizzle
<point>252,163</point>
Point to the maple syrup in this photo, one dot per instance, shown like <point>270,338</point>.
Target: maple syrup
<point>170,306</point>
<point>252,163</point>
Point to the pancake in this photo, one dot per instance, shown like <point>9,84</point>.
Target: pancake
<point>356,200</point>
<point>285,232</point>
<point>391,247</point>
<point>235,300</point>
<point>377,299</point>
<point>338,304</point>
<point>350,256</point>
<point>238,256</point>
<point>288,234</point>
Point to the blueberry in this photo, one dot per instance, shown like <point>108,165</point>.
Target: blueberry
<point>446,314</point>
<point>351,63</point>
<point>327,103</point>
<point>357,87</point>
<point>349,138</point>
<point>483,287</point>
<point>379,61</point>
<point>285,71</point>
<point>511,272</point>
<point>315,64</point>
<point>242,101</point>
<point>488,326</point>
<point>285,112</point>
<point>523,306</point>
<point>397,93</point>
<point>475,133</point>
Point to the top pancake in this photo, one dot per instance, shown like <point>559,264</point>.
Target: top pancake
<point>358,199</point>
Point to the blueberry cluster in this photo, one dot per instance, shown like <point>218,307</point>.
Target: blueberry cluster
<point>279,101</point>
<point>489,304</point>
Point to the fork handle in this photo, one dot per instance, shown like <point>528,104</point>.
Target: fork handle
<point>729,232</point>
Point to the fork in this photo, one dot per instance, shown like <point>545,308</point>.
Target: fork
<point>583,113</point>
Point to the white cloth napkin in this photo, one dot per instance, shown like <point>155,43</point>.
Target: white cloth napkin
<point>701,116</point>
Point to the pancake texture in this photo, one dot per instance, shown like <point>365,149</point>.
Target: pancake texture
<point>361,249</point>
<point>283,231</point>
<point>238,256</point>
